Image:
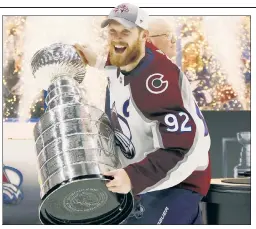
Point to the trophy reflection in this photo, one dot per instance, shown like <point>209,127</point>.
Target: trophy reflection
<point>243,169</point>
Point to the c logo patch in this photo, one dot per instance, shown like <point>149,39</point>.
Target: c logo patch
<point>155,83</point>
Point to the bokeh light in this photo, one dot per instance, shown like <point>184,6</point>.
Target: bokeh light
<point>209,82</point>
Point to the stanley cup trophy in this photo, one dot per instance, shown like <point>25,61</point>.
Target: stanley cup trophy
<point>243,169</point>
<point>75,146</point>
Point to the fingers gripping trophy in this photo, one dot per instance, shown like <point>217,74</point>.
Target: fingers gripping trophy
<point>75,146</point>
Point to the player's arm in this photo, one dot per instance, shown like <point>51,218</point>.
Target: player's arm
<point>176,134</point>
<point>89,57</point>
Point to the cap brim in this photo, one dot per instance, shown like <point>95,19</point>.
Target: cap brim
<point>124,22</point>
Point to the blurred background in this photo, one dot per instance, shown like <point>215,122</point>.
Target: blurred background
<point>209,76</point>
<point>213,52</point>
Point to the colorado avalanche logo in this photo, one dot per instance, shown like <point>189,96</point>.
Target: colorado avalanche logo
<point>121,8</point>
<point>155,83</point>
<point>12,181</point>
<point>122,131</point>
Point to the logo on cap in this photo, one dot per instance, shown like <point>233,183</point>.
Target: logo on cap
<point>121,8</point>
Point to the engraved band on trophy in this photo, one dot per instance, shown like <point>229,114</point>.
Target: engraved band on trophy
<point>75,145</point>
<point>243,169</point>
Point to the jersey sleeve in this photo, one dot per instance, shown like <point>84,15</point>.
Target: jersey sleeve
<point>164,98</point>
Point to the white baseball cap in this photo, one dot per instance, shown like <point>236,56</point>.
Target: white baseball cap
<point>128,15</point>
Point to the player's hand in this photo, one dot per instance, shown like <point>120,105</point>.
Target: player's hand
<point>87,55</point>
<point>121,182</point>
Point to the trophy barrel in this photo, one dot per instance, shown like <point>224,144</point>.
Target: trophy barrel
<point>75,146</point>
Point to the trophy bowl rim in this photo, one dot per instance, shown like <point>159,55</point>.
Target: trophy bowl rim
<point>35,63</point>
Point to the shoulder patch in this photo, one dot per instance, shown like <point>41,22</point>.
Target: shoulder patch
<point>155,83</point>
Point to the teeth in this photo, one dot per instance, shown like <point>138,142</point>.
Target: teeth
<point>119,46</point>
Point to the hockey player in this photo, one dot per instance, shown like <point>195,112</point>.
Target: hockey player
<point>161,133</point>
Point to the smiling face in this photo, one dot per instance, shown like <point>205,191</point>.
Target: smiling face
<point>125,44</point>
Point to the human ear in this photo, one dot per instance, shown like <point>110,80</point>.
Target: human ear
<point>145,35</point>
<point>149,40</point>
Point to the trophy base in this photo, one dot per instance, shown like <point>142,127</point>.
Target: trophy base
<point>244,174</point>
<point>85,200</point>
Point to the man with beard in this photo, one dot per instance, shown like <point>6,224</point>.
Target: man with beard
<point>161,134</point>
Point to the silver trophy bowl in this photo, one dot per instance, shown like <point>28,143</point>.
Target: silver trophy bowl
<point>57,60</point>
<point>75,146</point>
<point>244,138</point>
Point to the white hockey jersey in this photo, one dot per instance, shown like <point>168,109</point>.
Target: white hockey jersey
<point>162,135</point>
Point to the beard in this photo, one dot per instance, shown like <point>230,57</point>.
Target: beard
<point>130,55</point>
